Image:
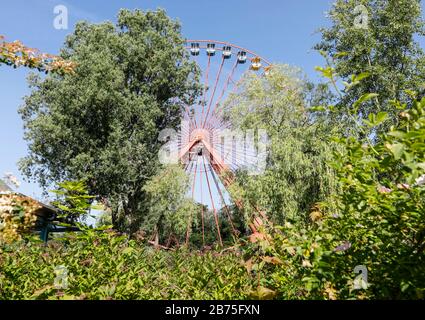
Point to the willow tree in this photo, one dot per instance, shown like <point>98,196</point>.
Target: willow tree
<point>296,174</point>
<point>170,213</point>
<point>101,124</point>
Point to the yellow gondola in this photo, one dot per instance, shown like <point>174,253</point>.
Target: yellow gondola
<point>256,63</point>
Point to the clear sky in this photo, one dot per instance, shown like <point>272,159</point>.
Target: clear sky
<point>279,30</point>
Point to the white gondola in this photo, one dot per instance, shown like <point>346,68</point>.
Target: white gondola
<point>227,52</point>
<point>241,57</point>
<point>194,49</point>
<point>211,49</point>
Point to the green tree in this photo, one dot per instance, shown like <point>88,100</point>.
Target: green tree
<point>101,124</point>
<point>170,214</point>
<point>296,175</point>
<point>73,201</point>
<point>375,39</point>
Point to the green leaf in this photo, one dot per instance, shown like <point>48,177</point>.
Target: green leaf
<point>341,54</point>
<point>317,108</point>
<point>128,250</point>
<point>361,76</point>
<point>396,149</point>
<point>381,117</point>
<point>327,72</point>
<point>369,123</point>
<point>364,98</point>
<point>405,286</point>
<point>397,134</point>
<point>263,293</point>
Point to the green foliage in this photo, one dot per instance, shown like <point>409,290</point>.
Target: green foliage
<point>74,201</point>
<point>103,265</point>
<point>338,200</point>
<point>17,216</point>
<point>169,211</point>
<point>375,219</point>
<point>104,219</point>
<point>383,54</point>
<point>173,217</point>
<point>296,174</point>
<point>101,124</point>
<point>208,237</point>
<point>382,207</point>
<point>378,223</point>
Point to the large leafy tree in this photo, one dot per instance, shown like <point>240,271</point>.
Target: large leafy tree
<point>296,175</point>
<point>376,39</point>
<point>101,124</point>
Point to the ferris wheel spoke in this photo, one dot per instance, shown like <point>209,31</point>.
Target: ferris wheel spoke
<point>213,174</point>
<point>203,101</point>
<point>193,197</point>
<point>193,121</point>
<point>238,158</point>
<point>183,134</point>
<point>213,206</point>
<point>214,91</point>
<point>189,167</point>
<point>221,123</point>
<point>202,206</point>
<point>223,91</point>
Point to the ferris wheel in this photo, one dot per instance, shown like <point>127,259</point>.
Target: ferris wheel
<point>209,154</point>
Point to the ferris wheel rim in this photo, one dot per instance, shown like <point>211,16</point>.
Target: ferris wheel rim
<point>254,54</point>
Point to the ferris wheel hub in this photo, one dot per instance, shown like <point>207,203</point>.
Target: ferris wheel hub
<point>200,134</point>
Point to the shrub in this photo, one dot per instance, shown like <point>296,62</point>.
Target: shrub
<point>105,265</point>
<point>379,223</point>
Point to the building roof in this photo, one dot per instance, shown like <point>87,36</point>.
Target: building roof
<point>42,210</point>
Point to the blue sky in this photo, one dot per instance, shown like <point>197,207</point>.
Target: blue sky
<point>279,30</point>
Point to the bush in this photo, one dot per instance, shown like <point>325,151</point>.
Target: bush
<point>104,265</point>
<point>17,216</point>
<point>379,223</point>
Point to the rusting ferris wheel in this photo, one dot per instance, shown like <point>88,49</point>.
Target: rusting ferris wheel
<point>206,156</point>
